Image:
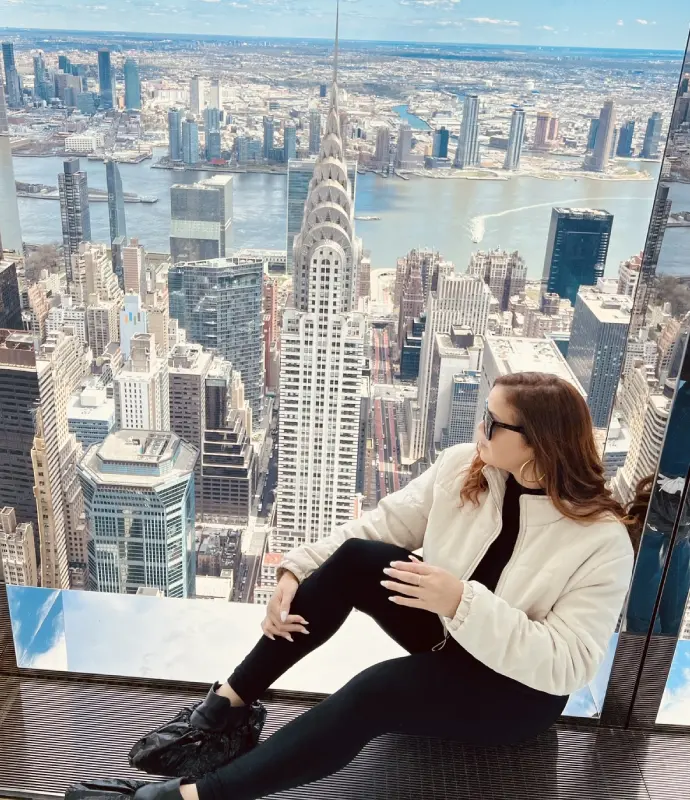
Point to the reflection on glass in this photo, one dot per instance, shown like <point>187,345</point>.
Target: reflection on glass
<point>532,259</point>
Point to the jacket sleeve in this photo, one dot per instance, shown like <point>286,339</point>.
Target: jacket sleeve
<point>558,655</point>
<point>399,518</point>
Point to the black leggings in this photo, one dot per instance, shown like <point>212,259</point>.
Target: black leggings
<point>445,693</point>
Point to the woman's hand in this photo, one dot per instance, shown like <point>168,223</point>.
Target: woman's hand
<point>279,621</point>
<point>419,585</point>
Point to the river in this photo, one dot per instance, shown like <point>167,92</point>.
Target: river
<point>420,212</point>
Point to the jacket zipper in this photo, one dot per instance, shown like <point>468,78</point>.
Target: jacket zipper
<point>440,645</point>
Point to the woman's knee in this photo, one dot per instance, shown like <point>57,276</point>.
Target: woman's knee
<point>365,552</point>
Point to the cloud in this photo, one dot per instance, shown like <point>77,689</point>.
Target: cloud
<point>642,22</point>
<point>546,28</point>
<point>430,3</point>
<point>210,1</point>
<point>620,23</point>
<point>489,21</point>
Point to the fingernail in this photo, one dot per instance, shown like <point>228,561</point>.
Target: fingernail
<point>283,616</point>
<point>306,633</point>
<point>387,570</point>
<point>394,563</point>
<point>383,583</point>
<point>289,638</point>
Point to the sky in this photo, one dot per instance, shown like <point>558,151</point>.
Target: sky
<point>639,24</point>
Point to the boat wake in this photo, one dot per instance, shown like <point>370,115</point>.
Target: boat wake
<point>477,225</point>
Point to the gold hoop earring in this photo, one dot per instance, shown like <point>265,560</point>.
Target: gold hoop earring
<point>522,470</point>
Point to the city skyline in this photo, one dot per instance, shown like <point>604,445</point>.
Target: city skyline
<point>589,24</point>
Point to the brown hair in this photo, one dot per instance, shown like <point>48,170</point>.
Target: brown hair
<point>558,427</point>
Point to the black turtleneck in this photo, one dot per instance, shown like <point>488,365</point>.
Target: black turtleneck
<point>489,569</point>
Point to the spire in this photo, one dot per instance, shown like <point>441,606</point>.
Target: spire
<point>336,45</point>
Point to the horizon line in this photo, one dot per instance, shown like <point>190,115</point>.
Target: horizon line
<point>164,34</point>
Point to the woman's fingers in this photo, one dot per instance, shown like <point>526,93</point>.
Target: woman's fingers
<point>401,575</point>
<point>401,588</point>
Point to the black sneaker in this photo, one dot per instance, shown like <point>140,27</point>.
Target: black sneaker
<point>200,739</point>
<point>124,790</point>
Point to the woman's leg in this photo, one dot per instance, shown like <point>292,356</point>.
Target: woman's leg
<point>445,694</point>
<point>349,579</point>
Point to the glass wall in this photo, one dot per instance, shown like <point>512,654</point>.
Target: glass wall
<point>189,422</point>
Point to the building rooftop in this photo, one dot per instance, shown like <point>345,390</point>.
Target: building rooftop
<point>91,405</point>
<point>583,212</point>
<point>609,309</point>
<point>524,354</point>
<point>139,458</point>
<point>188,359</point>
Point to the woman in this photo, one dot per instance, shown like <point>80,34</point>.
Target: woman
<point>527,561</point>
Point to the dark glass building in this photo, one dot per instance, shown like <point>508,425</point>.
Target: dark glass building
<point>200,219</point>
<point>116,201</point>
<point>74,210</point>
<point>576,250</point>
<point>411,350</point>
<point>219,303</point>
<point>105,79</point>
<point>132,85</point>
<point>625,138</point>
<point>10,304</point>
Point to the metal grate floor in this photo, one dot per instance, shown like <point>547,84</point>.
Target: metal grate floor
<point>55,731</point>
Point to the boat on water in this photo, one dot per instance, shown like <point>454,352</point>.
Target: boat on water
<point>364,218</point>
<point>148,198</point>
<point>178,168</point>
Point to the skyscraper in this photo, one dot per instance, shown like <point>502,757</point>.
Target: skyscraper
<point>106,80</point>
<point>17,550</point>
<point>141,388</point>
<point>230,465</point>
<point>289,143</point>
<point>503,272</point>
<point>175,134</point>
<point>219,303</point>
<point>541,131</point>
<point>455,355</point>
<point>201,219</point>
<point>116,201</point>
<point>467,153</point>
<point>211,118</point>
<point>93,275</point>
<point>314,131</point>
<point>625,139</point>
<point>404,146</point>
<point>598,160</point>
<point>14,89</point>
<point>10,228</point>
<point>383,146</point>
<point>576,250</point>
<point>132,85</point>
<point>300,173</point>
<point>43,84</point>
<point>322,355</point>
<point>440,144</point>
<point>139,493</point>
<point>61,366</point>
<point>190,141</point>
<point>212,132</point>
<point>592,135</point>
<point>134,269</point>
<point>214,97</point>
<point>19,400</point>
<point>212,145</point>
<point>10,302</point>
<point>269,131</point>
<point>74,210</point>
<point>597,347</point>
<point>515,139</point>
<point>195,95</point>
<point>652,137</point>
<point>461,300</point>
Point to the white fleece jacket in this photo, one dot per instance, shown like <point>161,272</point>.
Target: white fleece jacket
<point>557,603</point>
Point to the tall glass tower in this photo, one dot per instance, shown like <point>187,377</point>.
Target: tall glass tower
<point>10,228</point>
<point>14,90</point>
<point>74,210</point>
<point>467,154</point>
<point>116,201</point>
<point>515,139</point>
<point>132,85</point>
<point>219,302</point>
<point>576,250</point>
<point>652,137</point>
<point>190,141</point>
<point>105,79</point>
<point>175,134</point>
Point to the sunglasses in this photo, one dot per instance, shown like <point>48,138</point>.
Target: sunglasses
<point>490,423</point>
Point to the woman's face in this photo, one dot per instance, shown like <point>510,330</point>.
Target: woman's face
<point>507,449</point>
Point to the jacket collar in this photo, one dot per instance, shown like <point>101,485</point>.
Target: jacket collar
<point>539,510</point>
